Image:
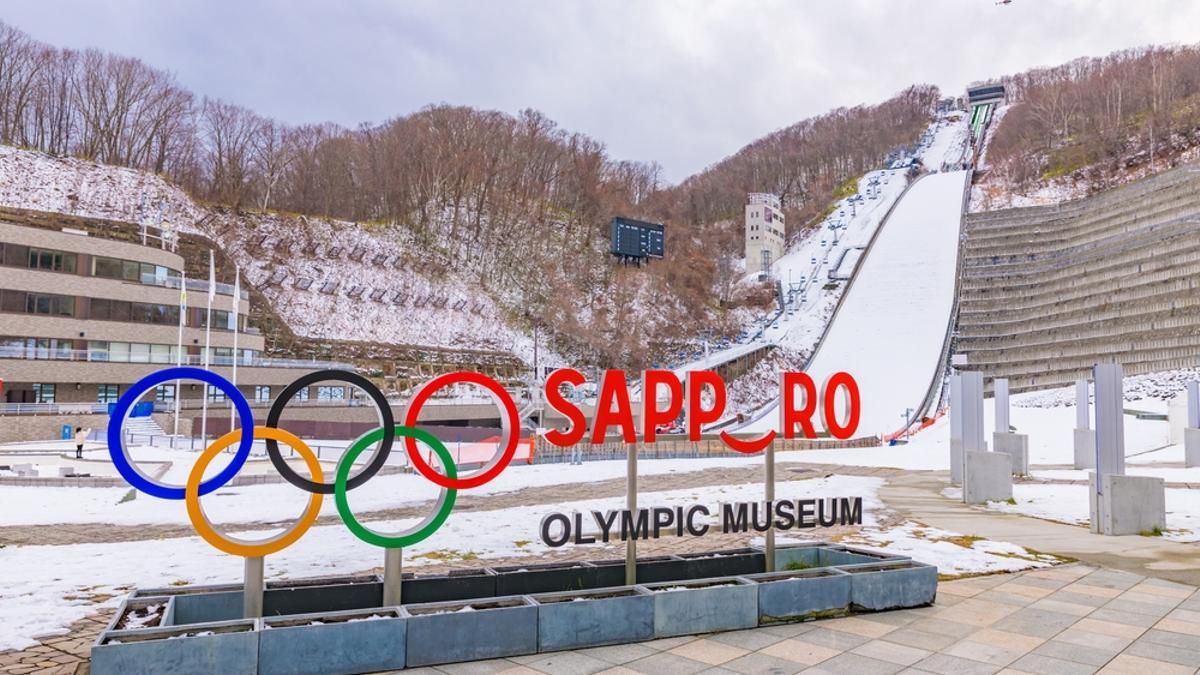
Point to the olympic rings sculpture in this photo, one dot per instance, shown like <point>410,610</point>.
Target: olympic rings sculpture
<point>384,435</point>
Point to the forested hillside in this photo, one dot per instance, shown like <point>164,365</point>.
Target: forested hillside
<point>514,204</point>
<point>1094,123</point>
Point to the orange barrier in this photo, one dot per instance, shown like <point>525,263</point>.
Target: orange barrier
<point>925,423</point>
<point>479,452</point>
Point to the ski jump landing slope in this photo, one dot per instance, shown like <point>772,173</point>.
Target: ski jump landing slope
<point>892,324</point>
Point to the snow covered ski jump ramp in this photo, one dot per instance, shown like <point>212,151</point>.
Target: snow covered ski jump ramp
<point>891,327</point>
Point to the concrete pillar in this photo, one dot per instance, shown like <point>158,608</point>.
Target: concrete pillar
<point>956,428</point>
<point>1191,434</point>
<point>1000,390</point>
<point>972,386</point>
<point>988,477</point>
<point>1119,504</point>
<point>1085,440</point>
<point>1110,419</point>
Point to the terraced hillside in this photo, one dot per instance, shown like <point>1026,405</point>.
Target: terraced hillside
<point>1048,291</point>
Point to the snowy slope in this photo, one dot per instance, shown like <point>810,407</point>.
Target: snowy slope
<point>442,311</point>
<point>890,330</point>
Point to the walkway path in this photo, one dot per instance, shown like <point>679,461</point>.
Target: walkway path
<point>918,496</point>
<point>1067,620</point>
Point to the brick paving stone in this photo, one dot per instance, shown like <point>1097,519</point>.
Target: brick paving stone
<point>757,663</point>
<point>1048,665</point>
<point>708,651</point>
<point>1079,636</point>
<point>999,638</point>
<point>568,663</point>
<point>1162,652</point>
<point>1128,664</point>
<point>801,652</point>
<point>849,663</point>
<point>619,654</point>
<point>753,639</point>
<point>899,654</point>
<point>1067,651</point>
<point>861,627</point>
<point>920,639</point>
<point>832,639</point>
<point>945,664</point>
<point>666,663</point>
<point>987,653</point>
<point>1035,622</point>
<point>1103,627</point>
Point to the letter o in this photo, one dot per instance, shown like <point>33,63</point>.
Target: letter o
<point>836,429</point>
<point>549,520</point>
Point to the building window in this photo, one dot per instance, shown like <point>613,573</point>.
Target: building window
<point>164,393</point>
<point>301,395</point>
<point>43,393</point>
<point>46,303</point>
<point>107,393</point>
<point>262,393</point>
<point>216,395</point>
<point>54,261</point>
<point>331,393</point>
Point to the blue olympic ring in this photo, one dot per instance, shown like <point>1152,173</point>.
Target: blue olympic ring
<point>116,443</point>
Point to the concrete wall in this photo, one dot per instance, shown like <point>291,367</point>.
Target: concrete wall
<point>45,427</point>
<point>1046,292</point>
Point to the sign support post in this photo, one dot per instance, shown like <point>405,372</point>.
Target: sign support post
<point>631,504</point>
<point>769,460</point>
<point>252,588</point>
<point>393,572</point>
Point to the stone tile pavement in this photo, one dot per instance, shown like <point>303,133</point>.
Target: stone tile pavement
<point>1058,621</point>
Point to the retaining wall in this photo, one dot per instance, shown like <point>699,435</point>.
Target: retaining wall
<point>1046,292</point>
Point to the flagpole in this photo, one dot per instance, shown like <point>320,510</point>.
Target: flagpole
<point>179,349</point>
<point>237,298</point>
<point>212,290</point>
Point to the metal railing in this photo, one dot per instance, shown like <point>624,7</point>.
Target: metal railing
<point>96,356</point>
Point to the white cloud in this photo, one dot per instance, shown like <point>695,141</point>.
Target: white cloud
<point>684,82</point>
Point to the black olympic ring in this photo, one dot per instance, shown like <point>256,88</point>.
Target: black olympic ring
<point>387,421</point>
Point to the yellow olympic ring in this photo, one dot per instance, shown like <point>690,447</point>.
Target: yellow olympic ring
<point>240,547</point>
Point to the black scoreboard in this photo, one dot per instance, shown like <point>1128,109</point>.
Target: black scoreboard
<point>636,239</point>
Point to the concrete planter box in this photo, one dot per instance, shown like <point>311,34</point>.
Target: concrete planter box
<point>323,596</point>
<point>802,595</point>
<point>821,554</point>
<point>891,585</point>
<point>545,578</point>
<point>333,643</point>
<point>199,604</point>
<point>446,632</point>
<point>595,617</point>
<point>704,606</point>
<point>229,648</point>
<point>206,604</point>
<point>649,570</point>
<point>462,584</point>
<point>727,563</point>
<point>143,612</point>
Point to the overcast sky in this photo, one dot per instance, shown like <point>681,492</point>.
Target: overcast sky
<point>683,82</point>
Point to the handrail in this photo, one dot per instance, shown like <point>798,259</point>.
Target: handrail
<point>94,356</point>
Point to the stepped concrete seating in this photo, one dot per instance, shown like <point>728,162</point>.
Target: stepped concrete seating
<point>1048,291</point>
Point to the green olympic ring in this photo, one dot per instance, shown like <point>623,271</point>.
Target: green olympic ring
<point>420,531</point>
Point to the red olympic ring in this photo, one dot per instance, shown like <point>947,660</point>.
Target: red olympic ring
<point>511,416</point>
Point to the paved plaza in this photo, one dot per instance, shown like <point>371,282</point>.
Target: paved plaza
<point>1060,621</point>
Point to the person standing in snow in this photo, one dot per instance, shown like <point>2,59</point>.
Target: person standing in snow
<point>80,438</point>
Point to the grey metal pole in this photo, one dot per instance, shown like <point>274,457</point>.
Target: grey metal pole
<point>252,589</point>
<point>770,464</point>
<point>393,572</point>
<point>631,504</point>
